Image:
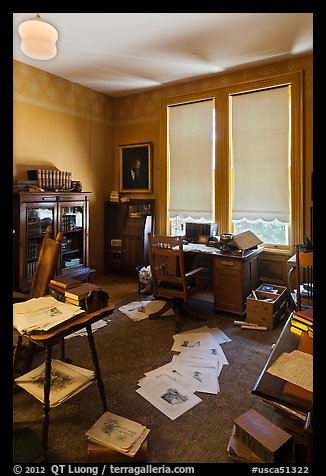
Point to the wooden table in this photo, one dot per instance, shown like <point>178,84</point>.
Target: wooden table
<point>294,403</point>
<point>54,336</point>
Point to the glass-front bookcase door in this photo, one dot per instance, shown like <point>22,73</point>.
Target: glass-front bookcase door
<point>38,218</point>
<point>72,223</point>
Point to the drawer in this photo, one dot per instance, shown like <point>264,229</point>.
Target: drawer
<point>227,263</point>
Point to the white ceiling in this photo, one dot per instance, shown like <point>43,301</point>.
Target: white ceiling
<point>126,53</point>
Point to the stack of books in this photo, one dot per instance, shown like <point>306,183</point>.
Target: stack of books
<point>255,439</point>
<point>77,295</point>
<point>302,321</point>
<point>59,285</point>
<point>114,196</point>
<point>118,434</point>
<point>51,180</point>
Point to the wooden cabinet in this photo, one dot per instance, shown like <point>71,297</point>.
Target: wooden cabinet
<point>234,278</point>
<point>126,229</point>
<point>64,211</point>
<point>273,268</point>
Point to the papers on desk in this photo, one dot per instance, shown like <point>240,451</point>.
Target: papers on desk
<point>199,248</point>
<point>295,367</point>
<point>66,381</point>
<point>42,314</point>
<point>171,388</point>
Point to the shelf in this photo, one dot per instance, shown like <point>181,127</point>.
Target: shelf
<point>75,230</point>
<point>68,213</point>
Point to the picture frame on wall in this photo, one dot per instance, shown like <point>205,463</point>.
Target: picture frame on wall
<point>136,167</point>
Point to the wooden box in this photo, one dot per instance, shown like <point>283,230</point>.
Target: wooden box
<point>267,313</point>
<point>269,442</point>
<point>102,454</point>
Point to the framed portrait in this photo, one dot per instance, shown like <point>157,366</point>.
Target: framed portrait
<point>136,167</point>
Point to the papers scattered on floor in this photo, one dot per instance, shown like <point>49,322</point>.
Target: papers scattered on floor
<point>172,396</point>
<point>83,332</point>
<point>119,433</point>
<point>138,310</point>
<point>171,388</point>
<point>42,314</point>
<point>66,381</point>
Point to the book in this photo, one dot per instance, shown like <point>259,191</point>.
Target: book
<point>65,282</point>
<point>27,448</point>
<point>240,452</point>
<point>246,240</point>
<point>56,288</point>
<point>306,314</point>
<point>301,325</point>
<point>266,440</point>
<point>119,433</point>
<point>80,292</point>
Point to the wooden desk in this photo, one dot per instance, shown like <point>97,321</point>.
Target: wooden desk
<point>294,403</point>
<point>52,337</point>
<point>234,276</point>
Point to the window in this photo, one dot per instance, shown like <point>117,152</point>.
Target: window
<point>260,123</point>
<point>190,164</point>
<point>248,170</point>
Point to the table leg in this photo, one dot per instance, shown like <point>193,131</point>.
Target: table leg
<point>46,401</point>
<point>17,353</point>
<point>98,376</point>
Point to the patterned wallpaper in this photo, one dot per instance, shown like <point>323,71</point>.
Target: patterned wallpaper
<point>35,86</point>
<point>146,106</point>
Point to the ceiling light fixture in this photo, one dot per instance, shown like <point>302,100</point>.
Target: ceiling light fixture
<point>38,39</point>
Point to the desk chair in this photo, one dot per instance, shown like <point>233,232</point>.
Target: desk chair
<point>170,281</point>
<point>44,272</point>
<point>303,294</point>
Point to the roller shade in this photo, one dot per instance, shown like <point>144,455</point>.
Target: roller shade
<point>190,159</point>
<point>260,147</point>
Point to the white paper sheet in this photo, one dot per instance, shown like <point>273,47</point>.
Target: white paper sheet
<point>193,340</point>
<point>168,396</point>
<point>295,367</point>
<point>218,335</point>
<point>42,314</point>
<point>139,310</point>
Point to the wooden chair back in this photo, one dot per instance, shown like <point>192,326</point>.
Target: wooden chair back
<point>46,264</point>
<point>304,278</point>
<point>167,267</point>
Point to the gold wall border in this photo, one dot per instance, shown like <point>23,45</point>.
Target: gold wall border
<point>61,109</point>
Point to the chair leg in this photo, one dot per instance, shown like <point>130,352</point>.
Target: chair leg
<point>168,305</point>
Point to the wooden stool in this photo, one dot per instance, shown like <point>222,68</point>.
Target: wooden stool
<point>102,454</point>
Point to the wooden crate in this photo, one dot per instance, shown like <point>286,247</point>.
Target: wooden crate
<point>102,454</point>
<point>267,313</point>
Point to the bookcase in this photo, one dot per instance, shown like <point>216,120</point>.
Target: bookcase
<point>126,228</point>
<point>65,212</point>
